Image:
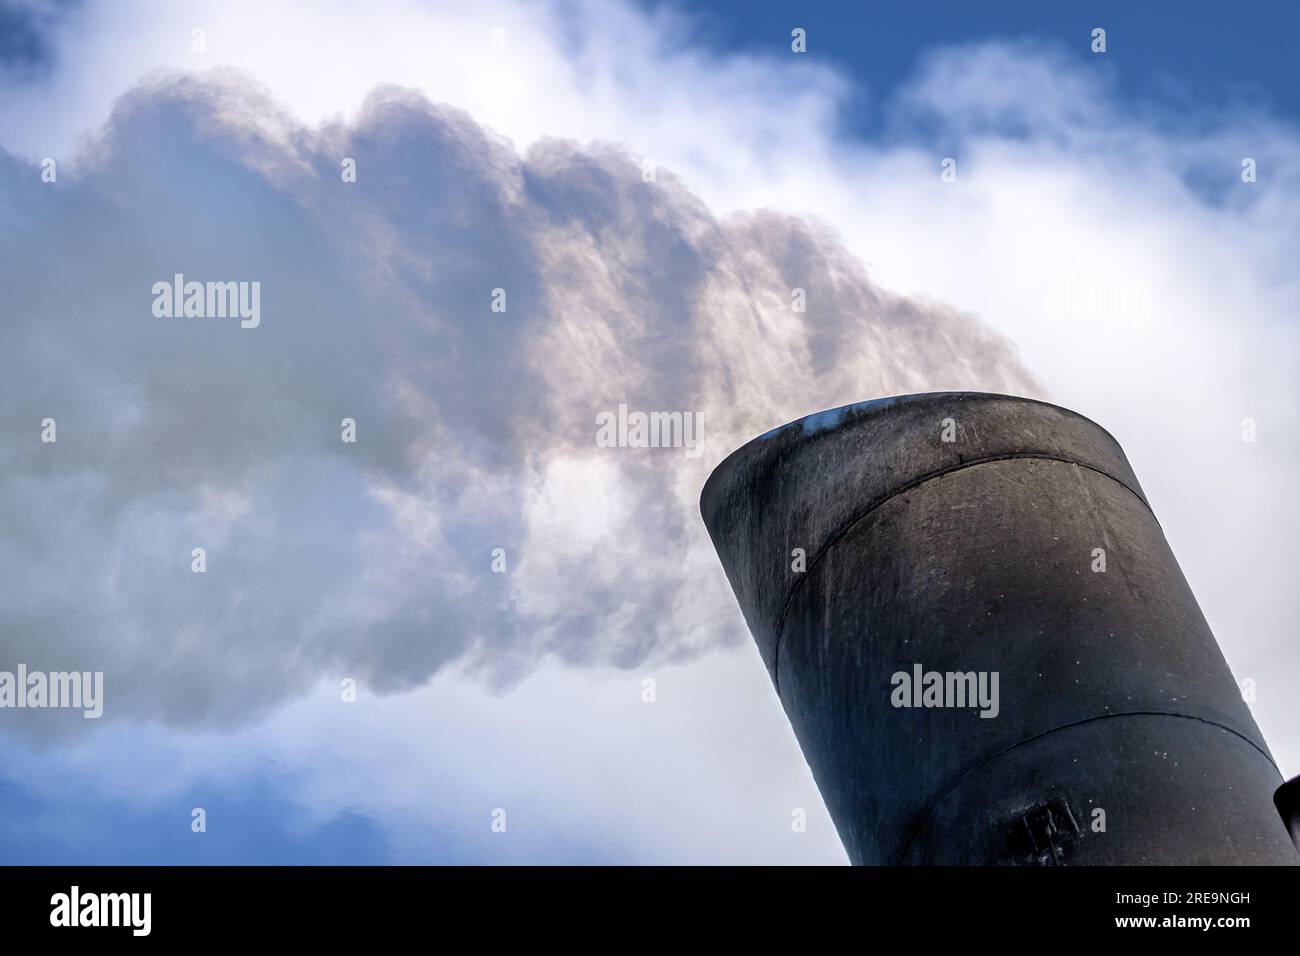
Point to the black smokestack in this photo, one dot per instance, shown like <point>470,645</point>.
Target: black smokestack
<point>984,644</point>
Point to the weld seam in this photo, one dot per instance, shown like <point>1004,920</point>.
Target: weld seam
<point>902,489</point>
<point>930,804</point>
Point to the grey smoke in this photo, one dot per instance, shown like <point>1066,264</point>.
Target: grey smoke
<point>476,429</point>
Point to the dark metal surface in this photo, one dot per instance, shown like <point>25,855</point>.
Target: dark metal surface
<point>1120,735</point>
<point>1287,800</point>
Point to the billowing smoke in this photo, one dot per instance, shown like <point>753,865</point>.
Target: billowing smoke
<point>479,315</point>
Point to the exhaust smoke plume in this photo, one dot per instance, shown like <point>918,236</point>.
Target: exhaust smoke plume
<point>474,313</point>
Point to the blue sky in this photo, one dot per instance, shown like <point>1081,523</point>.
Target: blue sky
<point>1113,174</point>
<point>1216,52</point>
<point>70,831</point>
